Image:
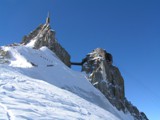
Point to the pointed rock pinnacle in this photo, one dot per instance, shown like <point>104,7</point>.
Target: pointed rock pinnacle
<point>48,19</point>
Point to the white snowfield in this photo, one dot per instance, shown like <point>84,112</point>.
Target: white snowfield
<point>36,85</point>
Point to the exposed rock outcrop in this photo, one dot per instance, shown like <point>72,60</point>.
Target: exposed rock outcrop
<point>43,35</point>
<point>4,55</point>
<point>107,78</point>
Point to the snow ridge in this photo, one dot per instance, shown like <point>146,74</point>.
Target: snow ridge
<point>34,90</point>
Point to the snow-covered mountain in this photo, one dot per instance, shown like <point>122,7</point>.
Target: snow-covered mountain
<point>37,83</point>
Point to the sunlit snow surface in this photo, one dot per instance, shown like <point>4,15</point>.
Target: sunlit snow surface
<point>36,85</point>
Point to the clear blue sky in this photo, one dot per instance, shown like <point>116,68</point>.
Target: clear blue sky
<point>128,29</point>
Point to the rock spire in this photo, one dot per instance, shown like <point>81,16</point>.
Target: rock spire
<point>43,35</point>
<point>48,18</point>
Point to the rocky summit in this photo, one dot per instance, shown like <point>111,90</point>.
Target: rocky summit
<point>43,35</point>
<point>108,79</point>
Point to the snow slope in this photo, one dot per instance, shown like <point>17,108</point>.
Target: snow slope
<point>36,85</point>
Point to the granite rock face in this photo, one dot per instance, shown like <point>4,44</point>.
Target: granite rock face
<point>108,79</point>
<point>43,35</point>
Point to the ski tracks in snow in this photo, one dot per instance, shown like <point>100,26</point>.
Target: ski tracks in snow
<point>6,113</point>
